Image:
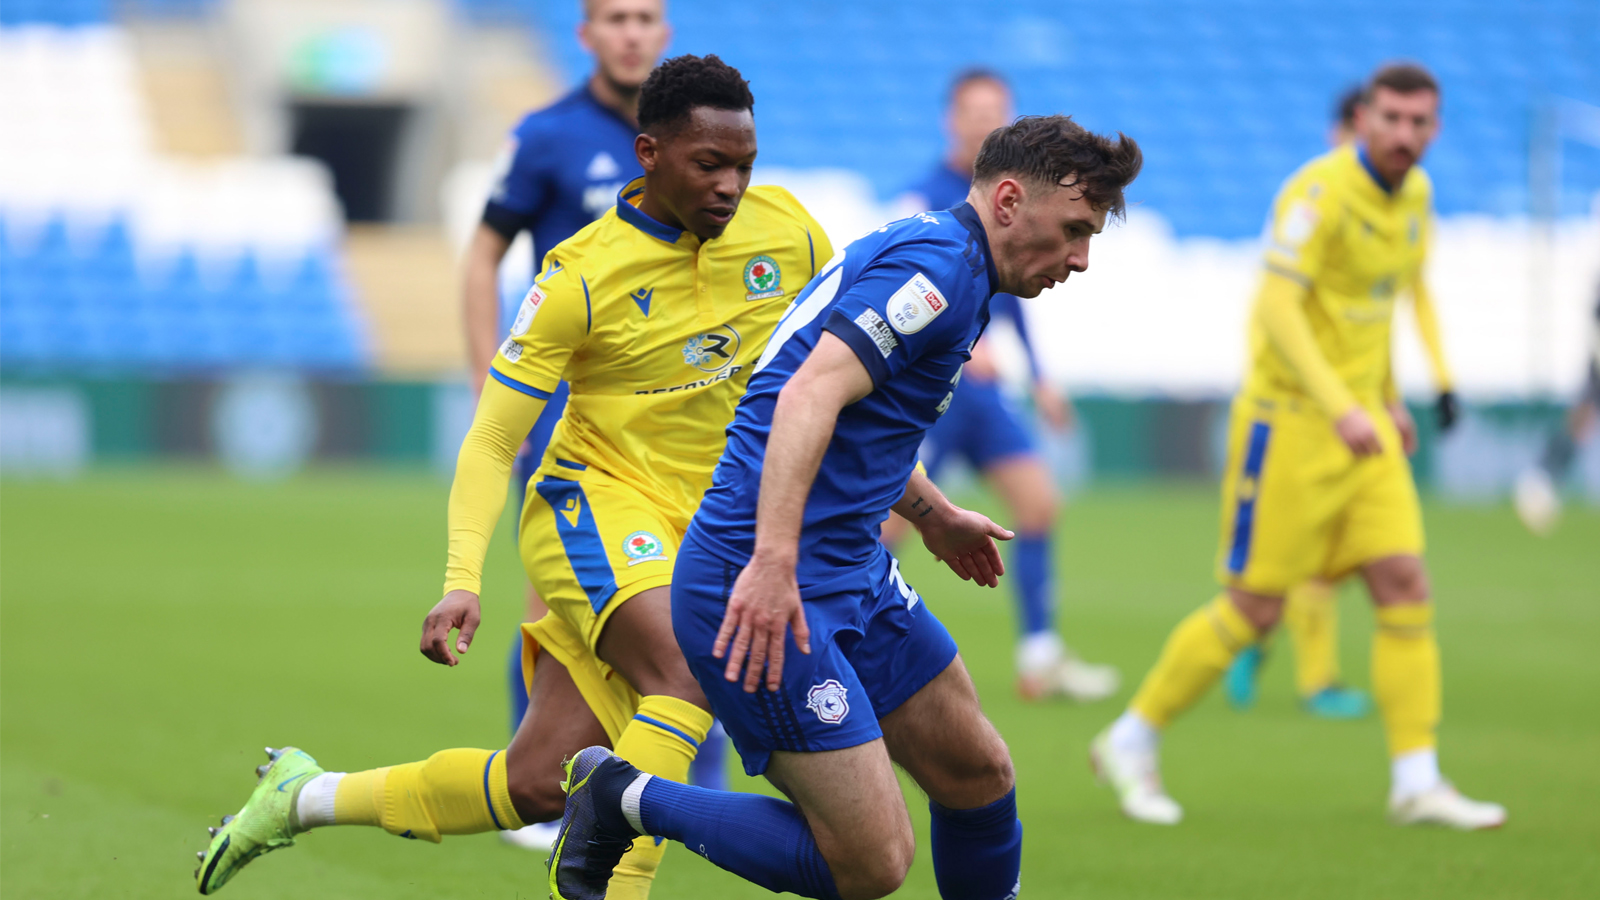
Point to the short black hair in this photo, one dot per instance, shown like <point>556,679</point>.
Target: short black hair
<point>1048,150</point>
<point>973,74</point>
<point>684,83</point>
<point>1344,110</point>
<point>1402,78</point>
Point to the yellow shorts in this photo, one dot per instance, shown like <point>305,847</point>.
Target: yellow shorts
<point>589,544</point>
<point>1297,504</point>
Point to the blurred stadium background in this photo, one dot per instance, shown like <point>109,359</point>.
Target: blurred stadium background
<point>229,239</point>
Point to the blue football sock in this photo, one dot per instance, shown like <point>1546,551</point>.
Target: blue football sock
<point>1031,559</point>
<point>519,689</point>
<point>977,853</point>
<point>709,769</point>
<point>761,839</point>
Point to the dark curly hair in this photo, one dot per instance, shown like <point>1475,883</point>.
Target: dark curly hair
<point>1057,150</point>
<point>684,83</point>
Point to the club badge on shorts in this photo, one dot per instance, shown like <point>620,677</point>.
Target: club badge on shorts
<point>827,700</point>
<point>762,280</point>
<point>642,546</point>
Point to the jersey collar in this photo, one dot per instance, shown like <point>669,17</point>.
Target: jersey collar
<point>968,217</point>
<point>628,212</point>
<point>1366,163</point>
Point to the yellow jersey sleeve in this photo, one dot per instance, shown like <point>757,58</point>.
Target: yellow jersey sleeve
<point>1432,339</point>
<point>478,495</point>
<point>1304,223</point>
<point>551,325</point>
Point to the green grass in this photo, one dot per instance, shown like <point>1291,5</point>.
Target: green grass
<point>144,615</point>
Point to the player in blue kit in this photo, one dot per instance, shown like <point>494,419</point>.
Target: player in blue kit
<point>825,666</point>
<point>987,430</point>
<point>562,168</point>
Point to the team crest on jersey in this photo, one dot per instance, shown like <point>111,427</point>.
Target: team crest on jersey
<point>916,304</point>
<point>711,351</point>
<point>762,279</point>
<point>642,546</point>
<point>827,700</point>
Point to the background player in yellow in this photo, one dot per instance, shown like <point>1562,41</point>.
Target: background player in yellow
<point>653,314</point>
<point>1317,483</point>
<point>1310,612</point>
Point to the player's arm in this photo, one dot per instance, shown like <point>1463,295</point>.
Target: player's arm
<point>961,539</point>
<point>1050,402</point>
<point>480,299</point>
<point>1447,408</point>
<point>1280,311</point>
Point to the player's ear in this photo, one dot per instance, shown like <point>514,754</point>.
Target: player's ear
<point>647,149</point>
<point>1006,196</point>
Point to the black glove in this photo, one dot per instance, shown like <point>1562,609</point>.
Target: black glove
<point>1447,410</point>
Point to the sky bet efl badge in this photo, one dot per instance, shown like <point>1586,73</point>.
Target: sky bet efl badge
<point>762,278</point>
<point>642,546</point>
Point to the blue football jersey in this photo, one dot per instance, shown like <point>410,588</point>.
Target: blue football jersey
<point>562,169</point>
<point>910,299</point>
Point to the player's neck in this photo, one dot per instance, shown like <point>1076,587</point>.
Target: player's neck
<point>620,99</point>
<point>652,206</point>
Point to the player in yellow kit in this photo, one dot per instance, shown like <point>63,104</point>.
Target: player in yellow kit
<point>654,314</point>
<point>1317,483</point>
<point>1310,612</point>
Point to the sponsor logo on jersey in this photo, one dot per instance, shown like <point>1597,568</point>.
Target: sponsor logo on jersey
<point>916,304</point>
<point>571,510</point>
<point>642,546</point>
<point>642,298</point>
<point>827,700</point>
<point>529,309</point>
<point>511,350</point>
<point>762,279</point>
<point>602,167</point>
<point>712,351</point>
<point>877,329</point>
<point>724,375</point>
<point>1296,226</point>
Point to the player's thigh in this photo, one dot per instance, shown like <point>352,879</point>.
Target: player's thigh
<point>558,724</point>
<point>1285,481</point>
<point>942,739</point>
<point>1383,517</point>
<point>853,804</point>
<point>638,642</point>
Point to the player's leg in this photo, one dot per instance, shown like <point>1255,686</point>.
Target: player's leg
<point>1537,493</point>
<point>459,791</point>
<point>1311,617</point>
<point>942,739</point>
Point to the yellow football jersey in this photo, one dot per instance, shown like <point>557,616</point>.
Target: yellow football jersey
<point>1355,246</point>
<point>655,331</point>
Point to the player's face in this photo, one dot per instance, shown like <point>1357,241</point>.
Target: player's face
<point>1397,129</point>
<point>626,38</point>
<point>700,170</point>
<point>978,108</point>
<point>1043,236</point>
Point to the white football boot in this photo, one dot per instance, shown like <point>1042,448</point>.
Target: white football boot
<point>1537,502</point>
<point>1136,777</point>
<point>1442,804</point>
<point>539,837</point>
<point>1047,667</point>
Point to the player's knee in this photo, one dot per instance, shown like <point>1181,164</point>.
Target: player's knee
<point>869,876</point>
<point>535,799</point>
<point>1262,612</point>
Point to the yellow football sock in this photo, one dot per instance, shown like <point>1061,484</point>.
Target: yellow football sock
<point>1311,616</point>
<point>451,792</point>
<point>662,740</point>
<point>1405,676</point>
<point>1199,650</point>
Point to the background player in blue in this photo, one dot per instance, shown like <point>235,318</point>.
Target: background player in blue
<point>984,427</point>
<point>823,445</point>
<point>561,169</point>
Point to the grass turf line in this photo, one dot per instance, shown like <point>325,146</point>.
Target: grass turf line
<point>143,614</point>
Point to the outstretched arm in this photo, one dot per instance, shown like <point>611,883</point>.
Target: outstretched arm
<point>765,601</point>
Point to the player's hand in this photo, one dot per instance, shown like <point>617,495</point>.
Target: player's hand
<point>764,605</point>
<point>965,541</point>
<point>1055,408</point>
<point>458,610</point>
<point>1406,425</point>
<point>1447,410</point>
<point>1355,428</point>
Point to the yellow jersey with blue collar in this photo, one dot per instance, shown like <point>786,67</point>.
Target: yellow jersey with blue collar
<point>1355,244</point>
<point>655,332</point>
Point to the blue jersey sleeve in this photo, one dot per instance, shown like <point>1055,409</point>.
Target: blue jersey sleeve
<point>896,312</point>
<point>523,183</point>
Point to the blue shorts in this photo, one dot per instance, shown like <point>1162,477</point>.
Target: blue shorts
<point>532,451</point>
<point>874,643</point>
<point>982,426</point>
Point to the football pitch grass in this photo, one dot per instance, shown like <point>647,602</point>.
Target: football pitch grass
<point>160,627</point>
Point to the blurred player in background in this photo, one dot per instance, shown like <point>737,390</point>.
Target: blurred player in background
<point>1537,495</point>
<point>1311,612</point>
<point>984,427</point>
<point>823,445</point>
<point>655,315</point>
<point>561,169</point>
<point>1317,483</point>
